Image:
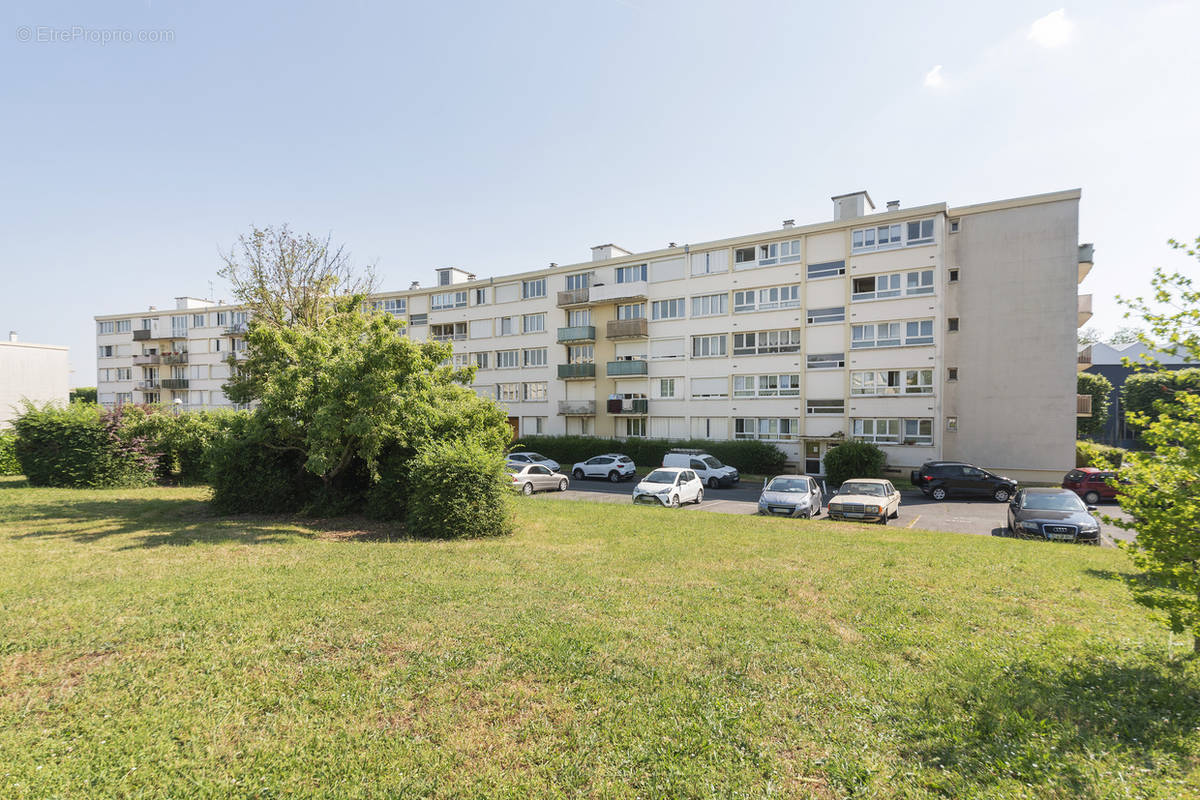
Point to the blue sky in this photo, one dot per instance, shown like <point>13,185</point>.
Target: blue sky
<point>503,136</point>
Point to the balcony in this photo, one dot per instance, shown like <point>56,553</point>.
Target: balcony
<point>174,358</point>
<point>616,369</point>
<point>1083,405</point>
<point>627,328</point>
<point>146,360</point>
<point>637,407</point>
<point>174,383</point>
<point>1085,260</point>
<point>1085,309</point>
<point>579,333</point>
<point>576,408</point>
<point>147,386</point>
<point>573,297</point>
<point>236,329</point>
<point>449,337</point>
<point>141,335</point>
<point>569,372</point>
<point>611,292</point>
<point>1084,358</point>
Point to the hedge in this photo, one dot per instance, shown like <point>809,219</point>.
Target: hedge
<point>8,454</point>
<point>853,459</point>
<point>750,457</point>
<point>1152,393</point>
<point>458,490</point>
<point>248,475</point>
<point>1099,387</point>
<point>1090,454</point>
<point>179,442</point>
<point>80,446</point>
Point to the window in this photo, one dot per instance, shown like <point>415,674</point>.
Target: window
<point>763,342</point>
<point>450,331</point>
<point>507,326</point>
<point>875,287</point>
<point>391,305</point>
<point>124,373</point>
<point>481,360</point>
<point>580,280</point>
<point>105,351</point>
<point>952,324</point>
<point>883,334</point>
<point>954,226</point>
<point>239,345</point>
<point>952,374</point>
<point>766,255</point>
<point>918,431</point>
<point>124,397</point>
<point>743,301</point>
<point>666,387</point>
<point>445,300</point>
<point>952,424</point>
<point>918,282</point>
<point>124,325</point>
<point>533,323</point>
<point>744,255</point>
<point>709,305</point>
<point>222,319</point>
<point>766,428</point>
<point>535,392</point>
<point>766,386</point>
<point>635,426</point>
<point>144,325</point>
<point>443,277</point>
<point>709,346</point>
<point>216,345</point>
<point>708,263</point>
<point>533,289</point>
<point>826,269</point>
<point>105,327</point>
<point>480,297</point>
<point>508,392</point>
<point>631,274</point>
<point>773,297</point>
<point>179,326</point>
<point>953,275</point>
<point>919,332</point>
<point>826,360</point>
<point>197,320</point>
<point>833,408</point>
<point>508,359</point>
<point>581,354</point>
<point>667,309</point>
<point>884,237</point>
<point>880,431</point>
<point>818,316</point>
<point>579,317</point>
<point>919,232</point>
<point>631,311</point>
<point>535,357</point>
<point>417,320</point>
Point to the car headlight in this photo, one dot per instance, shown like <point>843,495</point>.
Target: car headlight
<point>1031,527</point>
<point>835,506</point>
<point>1089,529</point>
<point>872,509</point>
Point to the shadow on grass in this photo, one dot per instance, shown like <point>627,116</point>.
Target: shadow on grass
<point>1038,722</point>
<point>180,523</point>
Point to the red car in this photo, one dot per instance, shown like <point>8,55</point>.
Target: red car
<point>1091,484</point>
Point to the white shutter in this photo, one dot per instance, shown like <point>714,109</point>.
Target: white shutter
<point>667,270</point>
<point>710,387</point>
<point>659,428</point>
<point>630,349</point>
<point>667,348</point>
<point>481,328</point>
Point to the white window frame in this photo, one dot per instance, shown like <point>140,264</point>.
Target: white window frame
<point>830,407</point>
<point>708,301</point>
<point>825,361</point>
<point>535,391</point>
<point>533,289</point>
<point>758,343</point>
<point>826,269</point>
<point>918,438</point>
<point>867,429</point>
<point>445,300</point>
<point>581,354</point>
<point>631,311</point>
<point>704,346</point>
<point>508,392</point>
<point>826,316</point>
<point>533,323</point>
<point>534,356</point>
<point>632,273</point>
<point>508,359</point>
<point>667,309</point>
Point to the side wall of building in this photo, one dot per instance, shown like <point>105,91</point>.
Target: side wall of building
<point>35,372</point>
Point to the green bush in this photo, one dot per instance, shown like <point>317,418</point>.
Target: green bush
<point>458,490</point>
<point>1153,393</point>
<point>8,454</point>
<point>249,475</point>
<point>179,442</point>
<point>1101,456</point>
<point>1100,388</point>
<point>80,446</point>
<point>751,457</point>
<point>853,459</point>
<point>82,394</point>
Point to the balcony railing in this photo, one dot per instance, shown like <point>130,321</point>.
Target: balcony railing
<point>1083,405</point>
<point>573,297</point>
<point>174,358</point>
<point>609,292</point>
<point>569,372</point>
<point>145,360</point>
<point>638,406</point>
<point>141,335</point>
<point>576,408</point>
<point>627,328</point>
<point>619,368</point>
<point>174,383</point>
<point>235,329</point>
<point>1084,358</point>
<point>578,333</point>
<point>150,385</point>
<point>449,337</point>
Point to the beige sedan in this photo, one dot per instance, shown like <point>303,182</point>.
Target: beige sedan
<point>865,500</point>
<point>530,478</point>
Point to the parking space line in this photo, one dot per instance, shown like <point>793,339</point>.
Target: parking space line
<point>914,522</point>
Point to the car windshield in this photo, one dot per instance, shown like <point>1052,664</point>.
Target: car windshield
<point>712,462</point>
<point>1067,501</point>
<point>872,489</point>
<point>788,485</point>
<point>660,476</point>
<point>537,457</point>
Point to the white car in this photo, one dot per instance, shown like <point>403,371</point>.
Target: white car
<point>614,466</point>
<point>671,487</point>
<point>711,471</point>
<point>521,459</point>
<point>865,500</point>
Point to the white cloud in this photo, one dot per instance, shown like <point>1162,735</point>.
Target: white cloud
<point>934,78</point>
<point>1052,30</point>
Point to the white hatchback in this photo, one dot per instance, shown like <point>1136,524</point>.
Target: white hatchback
<point>614,466</point>
<point>671,487</point>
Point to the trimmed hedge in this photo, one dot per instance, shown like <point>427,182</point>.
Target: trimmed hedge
<point>8,454</point>
<point>458,490</point>
<point>750,457</point>
<point>853,459</point>
<point>1101,456</point>
<point>80,446</point>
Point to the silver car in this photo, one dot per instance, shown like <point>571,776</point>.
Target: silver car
<point>530,478</point>
<point>528,457</point>
<point>790,496</point>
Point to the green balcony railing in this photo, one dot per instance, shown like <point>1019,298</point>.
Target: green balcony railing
<point>578,333</point>
<point>639,406</point>
<point>617,368</point>
<point>569,371</point>
<point>175,383</point>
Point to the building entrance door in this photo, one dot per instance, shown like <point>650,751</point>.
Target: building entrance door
<point>515,424</point>
<point>814,458</point>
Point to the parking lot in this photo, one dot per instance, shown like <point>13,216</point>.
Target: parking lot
<point>980,517</point>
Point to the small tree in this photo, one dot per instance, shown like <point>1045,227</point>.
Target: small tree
<point>1147,394</point>
<point>1099,387</point>
<point>82,394</point>
<point>853,459</point>
<point>458,489</point>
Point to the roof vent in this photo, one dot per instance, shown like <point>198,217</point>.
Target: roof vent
<point>12,336</point>
<point>789,223</point>
<point>414,286</point>
<point>893,205</point>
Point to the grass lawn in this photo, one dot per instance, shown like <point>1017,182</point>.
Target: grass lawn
<point>148,649</point>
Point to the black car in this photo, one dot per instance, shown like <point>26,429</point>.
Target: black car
<point>1056,515</point>
<point>941,479</point>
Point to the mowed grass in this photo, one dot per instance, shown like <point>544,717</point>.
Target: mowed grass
<point>152,650</point>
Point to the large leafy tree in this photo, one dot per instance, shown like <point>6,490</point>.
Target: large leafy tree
<point>1162,495</point>
<point>1099,387</point>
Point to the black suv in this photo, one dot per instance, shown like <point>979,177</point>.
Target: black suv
<point>940,479</point>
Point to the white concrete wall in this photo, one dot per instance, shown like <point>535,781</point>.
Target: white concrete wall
<point>35,372</point>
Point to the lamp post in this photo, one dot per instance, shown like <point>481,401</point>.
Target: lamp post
<point>177,402</point>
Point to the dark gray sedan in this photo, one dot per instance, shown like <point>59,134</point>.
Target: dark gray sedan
<point>1056,515</point>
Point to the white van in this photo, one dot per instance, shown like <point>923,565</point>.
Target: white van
<point>708,468</point>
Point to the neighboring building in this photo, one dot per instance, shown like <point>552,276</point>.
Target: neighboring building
<point>1108,360</point>
<point>936,332</point>
<point>36,372</point>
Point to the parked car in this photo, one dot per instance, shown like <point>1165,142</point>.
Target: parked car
<point>530,478</point>
<point>614,466</point>
<point>1056,515</point>
<point>710,470</point>
<point>670,486</point>
<point>790,496</point>
<point>1091,484</point>
<point>941,479</point>
<point>532,458</point>
<point>865,500</point>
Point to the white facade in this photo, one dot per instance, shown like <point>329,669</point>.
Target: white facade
<point>35,372</point>
<point>934,331</point>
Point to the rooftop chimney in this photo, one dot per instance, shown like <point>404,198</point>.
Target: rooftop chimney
<point>789,223</point>
<point>12,336</point>
<point>893,205</point>
<point>603,252</point>
<point>849,206</point>
<point>414,286</point>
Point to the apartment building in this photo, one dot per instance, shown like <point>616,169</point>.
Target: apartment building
<point>934,331</point>
<point>38,373</point>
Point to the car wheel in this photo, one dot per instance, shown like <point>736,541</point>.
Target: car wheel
<point>699,497</point>
<point>895,514</point>
<point>577,474</point>
<point>527,489</point>
<point>1091,498</point>
<point>675,501</point>
<point>938,493</point>
<point>883,520</point>
<point>712,483</point>
<point>562,485</point>
<point>613,477</point>
<point>1001,494</point>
